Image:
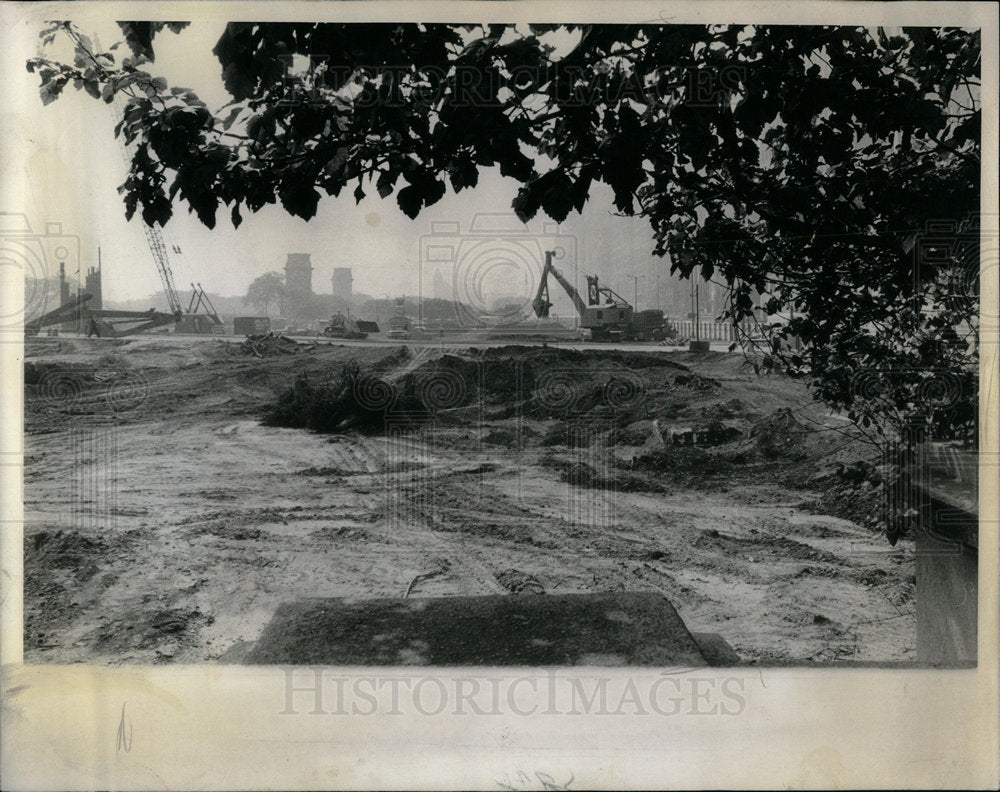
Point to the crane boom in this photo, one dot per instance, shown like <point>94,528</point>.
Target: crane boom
<point>159,251</point>
<point>153,236</point>
<point>606,314</point>
<point>541,302</point>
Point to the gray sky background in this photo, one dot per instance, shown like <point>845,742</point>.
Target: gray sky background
<point>63,164</point>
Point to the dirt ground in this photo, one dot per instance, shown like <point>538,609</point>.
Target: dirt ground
<point>166,523</point>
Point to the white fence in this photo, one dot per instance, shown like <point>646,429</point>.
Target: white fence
<point>707,330</point>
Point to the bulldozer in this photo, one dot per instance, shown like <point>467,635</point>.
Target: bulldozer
<point>341,326</point>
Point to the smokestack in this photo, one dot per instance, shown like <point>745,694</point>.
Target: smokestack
<point>63,285</point>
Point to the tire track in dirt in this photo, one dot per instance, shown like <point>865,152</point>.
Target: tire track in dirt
<point>232,518</point>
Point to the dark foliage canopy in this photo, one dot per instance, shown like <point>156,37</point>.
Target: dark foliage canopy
<point>834,170</point>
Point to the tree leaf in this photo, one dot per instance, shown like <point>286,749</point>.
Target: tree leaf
<point>410,201</point>
<point>385,184</point>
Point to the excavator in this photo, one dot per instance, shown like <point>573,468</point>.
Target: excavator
<point>606,314</point>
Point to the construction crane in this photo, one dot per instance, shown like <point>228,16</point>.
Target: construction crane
<point>185,321</point>
<point>118,323</point>
<point>154,237</point>
<point>198,299</point>
<point>200,323</point>
<point>606,314</point>
<point>189,321</point>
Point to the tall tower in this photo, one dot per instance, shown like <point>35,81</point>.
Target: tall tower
<point>298,283</point>
<point>94,289</point>
<point>441,291</point>
<point>63,284</point>
<point>343,285</point>
<point>70,325</point>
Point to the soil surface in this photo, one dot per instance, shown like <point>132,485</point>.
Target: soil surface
<point>166,521</point>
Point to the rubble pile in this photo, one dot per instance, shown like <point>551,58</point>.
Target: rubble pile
<point>271,344</point>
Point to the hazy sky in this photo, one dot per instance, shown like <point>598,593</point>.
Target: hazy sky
<point>65,166</point>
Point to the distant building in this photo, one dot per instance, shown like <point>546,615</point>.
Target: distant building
<point>441,291</point>
<point>298,284</point>
<point>343,285</point>
<point>64,296</point>
<point>93,288</point>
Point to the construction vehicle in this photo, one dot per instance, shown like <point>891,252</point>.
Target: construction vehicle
<point>251,325</point>
<point>399,327</point>
<point>607,315</point>
<point>193,322</point>
<point>342,326</point>
<point>399,324</point>
<point>190,322</point>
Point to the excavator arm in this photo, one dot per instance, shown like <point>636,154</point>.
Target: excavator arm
<point>541,302</point>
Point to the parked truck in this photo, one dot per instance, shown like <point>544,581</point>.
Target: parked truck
<point>399,327</point>
<point>251,325</point>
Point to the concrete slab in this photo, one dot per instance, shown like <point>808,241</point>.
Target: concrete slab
<point>716,649</point>
<point>607,629</point>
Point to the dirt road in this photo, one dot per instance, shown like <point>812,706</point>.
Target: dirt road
<point>165,523</point>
